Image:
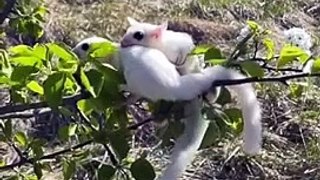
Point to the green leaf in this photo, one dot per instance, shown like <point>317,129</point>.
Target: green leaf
<point>296,90</point>
<point>21,50</point>
<point>5,80</point>
<point>72,129</point>
<point>70,86</point>
<point>201,49</point>
<point>96,80</point>
<point>235,119</point>
<point>85,81</point>
<point>41,10</point>
<point>85,106</point>
<point>213,53</point>
<point>63,133</point>
<point>37,148</point>
<point>53,87</point>
<point>316,65</point>
<point>21,139</point>
<point>25,56</point>
<point>269,44</point>
<point>69,168</point>
<point>290,53</point>
<point>252,68</point>
<point>2,163</point>
<point>102,49</point>
<point>35,87</point>
<point>41,51</point>
<point>6,66</point>
<point>141,169</point>
<point>27,61</point>
<point>34,28</point>
<point>254,26</point>
<point>106,172</point>
<point>61,52</point>
<point>217,61</point>
<point>119,143</point>
<point>21,74</point>
<point>37,168</point>
<point>211,136</point>
<point>224,97</point>
<point>8,129</point>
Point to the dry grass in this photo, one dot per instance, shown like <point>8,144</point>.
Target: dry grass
<point>291,125</point>
<point>291,137</point>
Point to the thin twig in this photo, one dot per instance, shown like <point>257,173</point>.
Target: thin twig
<point>282,79</point>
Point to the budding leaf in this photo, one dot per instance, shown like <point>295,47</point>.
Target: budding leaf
<point>85,81</point>
<point>290,53</point>
<point>35,87</point>
<point>269,44</point>
<point>235,119</point>
<point>21,139</point>
<point>85,106</point>
<point>316,65</point>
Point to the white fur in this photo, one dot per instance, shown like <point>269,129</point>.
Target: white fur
<point>188,143</point>
<point>149,74</point>
<point>175,45</point>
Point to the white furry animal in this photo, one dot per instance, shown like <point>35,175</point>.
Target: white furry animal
<point>300,38</point>
<point>83,48</point>
<point>149,74</point>
<point>175,45</point>
<point>181,44</point>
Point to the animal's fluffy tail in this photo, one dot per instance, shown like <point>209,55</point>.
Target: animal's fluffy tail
<point>197,83</point>
<point>250,109</point>
<point>188,143</point>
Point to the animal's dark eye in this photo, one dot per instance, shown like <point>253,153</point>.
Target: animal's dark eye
<point>300,38</point>
<point>138,35</point>
<point>85,46</point>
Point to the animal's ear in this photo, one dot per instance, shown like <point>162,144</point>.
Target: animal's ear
<point>132,21</point>
<point>157,32</point>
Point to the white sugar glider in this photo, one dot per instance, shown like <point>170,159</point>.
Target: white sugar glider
<point>150,74</point>
<point>175,45</point>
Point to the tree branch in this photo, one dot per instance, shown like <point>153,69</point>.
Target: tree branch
<point>257,79</point>
<point>24,107</point>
